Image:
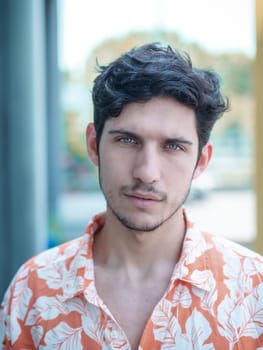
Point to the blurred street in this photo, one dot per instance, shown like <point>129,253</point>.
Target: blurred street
<point>230,214</point>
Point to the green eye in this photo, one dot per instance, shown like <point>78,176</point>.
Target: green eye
<point>173,146</point>
<point>126,140</point>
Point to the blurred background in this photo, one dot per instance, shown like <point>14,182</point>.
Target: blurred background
<point>49,49</point>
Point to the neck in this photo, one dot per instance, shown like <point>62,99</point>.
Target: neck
<point>139,253</point>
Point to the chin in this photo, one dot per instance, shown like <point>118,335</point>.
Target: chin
<point>139,225</point>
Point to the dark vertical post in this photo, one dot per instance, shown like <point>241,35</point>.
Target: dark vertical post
<point>54,124</point>
<point>23,227</point>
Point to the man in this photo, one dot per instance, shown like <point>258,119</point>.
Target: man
<point>143,276</point>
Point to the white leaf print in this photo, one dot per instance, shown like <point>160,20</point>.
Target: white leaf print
<point>160,334</point>
<point>207,281</point>
<point>116,345</point>
<point>172,332</point>
<point>198,330</point>
<point>238,282</point>
<point>19,305</point>
<point>182,296</point>
<point>252,321</point>
<point>91,294</point>
<point>229,248</point>
<point>63,337</point>
<point>180,272</point>
<point>2,330</point>
<point>33,317</point>
<point>239,318</point>
<point>162,313</point>
<point>15,328</point>
<point>5,330</point>
<point>73,248</point>
<point>253,267</point>
<point>52,276</point>
<point>114,337</point>
<point>78,262</point>
<point>75,304</point>
<point>4,317</point>
<point>37,334</point>
<point>169,334</point>
<point>22,273</point>
<point>89,270</point>
<point>194,247</point>
<point>77,253</point>
<point>175,346</point>
<point>46,257</point>
<point>57,276</point>
<point>46,308</point>
<point>90,319</point>
<point>21,298</point>
<point>230,317</point>
<point>205,278</point>
<point>209,346</point>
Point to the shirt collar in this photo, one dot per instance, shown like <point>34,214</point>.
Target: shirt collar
<point>84,264</point>
<point>192,266</point>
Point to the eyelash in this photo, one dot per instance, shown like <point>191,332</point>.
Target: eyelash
<point>125,138</point>
<point>131,141</point>
<point>176,148</point>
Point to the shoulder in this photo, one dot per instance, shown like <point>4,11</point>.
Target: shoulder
<point>58,255</point>
<point>214,244</point>
<point>45,272</point>
<point>233,257</point>
<point>228,247</point>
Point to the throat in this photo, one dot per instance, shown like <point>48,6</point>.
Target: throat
<point>137,272</point>
<point>131,302</point>
<point>144,252</point>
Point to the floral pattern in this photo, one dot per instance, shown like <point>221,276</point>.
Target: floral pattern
<point>214,300</point>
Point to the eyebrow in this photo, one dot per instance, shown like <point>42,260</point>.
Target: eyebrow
<point>181,140</point>
<point>123,131</point>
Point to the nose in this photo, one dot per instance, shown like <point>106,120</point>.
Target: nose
<point>147,166</point>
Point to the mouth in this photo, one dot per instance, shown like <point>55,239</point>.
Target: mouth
<point>144,196</point>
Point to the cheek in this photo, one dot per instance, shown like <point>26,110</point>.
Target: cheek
<point>181,167</point>
<point>113,169</point>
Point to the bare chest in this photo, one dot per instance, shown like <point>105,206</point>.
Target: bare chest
<point>131,306</point>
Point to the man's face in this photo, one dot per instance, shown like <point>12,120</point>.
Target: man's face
<point>147,160</point>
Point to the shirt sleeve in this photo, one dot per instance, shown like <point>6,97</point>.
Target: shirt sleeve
<point>13,309</point>
<point>4,322</point>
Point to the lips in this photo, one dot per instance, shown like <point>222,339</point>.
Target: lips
<point>144,196</point>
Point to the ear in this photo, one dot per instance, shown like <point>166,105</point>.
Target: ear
<point>204,159</point>
<point>91,144</point>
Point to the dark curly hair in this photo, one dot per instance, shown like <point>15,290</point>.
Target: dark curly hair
<point>155,71</point>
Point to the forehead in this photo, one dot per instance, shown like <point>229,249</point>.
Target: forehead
<point>159,116</point>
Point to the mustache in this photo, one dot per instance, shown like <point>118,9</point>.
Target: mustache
<point>145,188</point>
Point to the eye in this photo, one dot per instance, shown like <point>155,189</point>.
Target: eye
<point>126,139</point>
<point>173,147</point>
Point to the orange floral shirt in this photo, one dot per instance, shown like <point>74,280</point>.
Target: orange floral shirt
<point>214,300</point>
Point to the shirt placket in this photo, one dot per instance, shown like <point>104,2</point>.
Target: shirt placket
<point>112,333</point>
